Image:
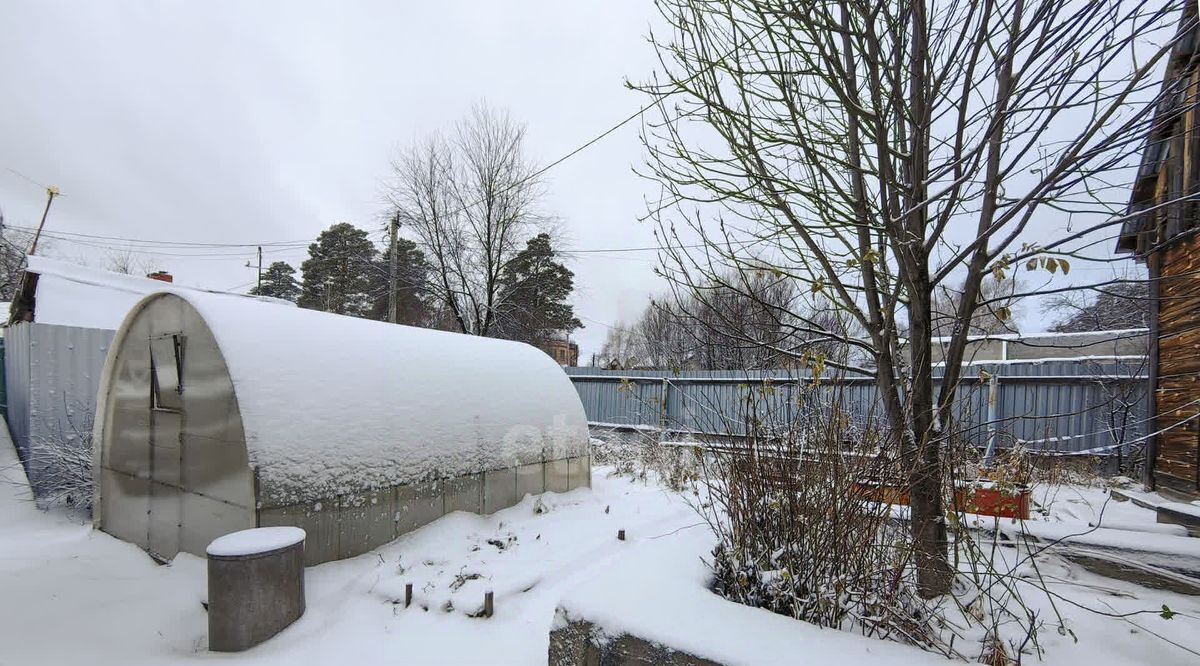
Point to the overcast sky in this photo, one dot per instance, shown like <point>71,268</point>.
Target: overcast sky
<point>266,121</point>
<point>245,122</point>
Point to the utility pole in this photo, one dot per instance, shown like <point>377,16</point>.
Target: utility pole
<point>51,192</point>
<point>250,265</point>
<point>393,267</point>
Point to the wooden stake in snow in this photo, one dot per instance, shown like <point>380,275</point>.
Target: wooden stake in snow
<point>488,604</point>
<point>407,595</point>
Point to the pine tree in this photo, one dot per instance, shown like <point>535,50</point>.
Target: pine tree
<point>278,282</point>
<point>534,291</point>
<point>412,275</point>
<point>339,272</point>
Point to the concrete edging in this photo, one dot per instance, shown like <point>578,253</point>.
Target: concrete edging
<point>350,525</point>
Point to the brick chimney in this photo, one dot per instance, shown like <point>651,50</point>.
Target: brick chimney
<point>161,276</point>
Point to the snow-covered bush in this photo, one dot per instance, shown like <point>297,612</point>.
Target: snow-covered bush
<point>60,464</point>
<point>811,520</point>
<point>802,530</point>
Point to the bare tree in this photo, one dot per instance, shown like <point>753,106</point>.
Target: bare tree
<point>753,320</point>
<point>470,202</point>
<point>728,324</point>
<point>1114,307</point>
<point>874,151</point>
<point>13,246</point>
<point>620,349</point>
<point>127,262</point>
<point>996,314</point>
<point>655,340</point>
<point>660,338</point>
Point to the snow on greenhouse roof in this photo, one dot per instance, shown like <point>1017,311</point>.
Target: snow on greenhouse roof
<point>72,295</point>
<point>332,404</point>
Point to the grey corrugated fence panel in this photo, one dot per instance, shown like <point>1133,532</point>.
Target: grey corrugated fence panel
<point>53,377</point>
<point>16,375</point>
<point>1058,405</point>
<point>3,386</point>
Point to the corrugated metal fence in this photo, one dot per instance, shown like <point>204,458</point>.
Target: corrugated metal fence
<point>1093,405</point>
<point>52,374</point>
<point>3,387</point>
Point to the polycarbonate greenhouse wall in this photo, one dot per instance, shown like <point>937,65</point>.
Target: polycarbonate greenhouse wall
<point>1068,406</point>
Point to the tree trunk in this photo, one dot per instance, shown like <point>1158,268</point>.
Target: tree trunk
<point>922,456</point>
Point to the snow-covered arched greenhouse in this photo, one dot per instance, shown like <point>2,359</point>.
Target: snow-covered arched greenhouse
<point>218,413</point>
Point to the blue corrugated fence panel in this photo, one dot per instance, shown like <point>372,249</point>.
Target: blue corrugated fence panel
<point>1059,405</point>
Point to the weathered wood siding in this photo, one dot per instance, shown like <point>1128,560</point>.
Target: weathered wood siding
<point>1162,229</point>
<point>1177,264</point>
<point>1178,393</point>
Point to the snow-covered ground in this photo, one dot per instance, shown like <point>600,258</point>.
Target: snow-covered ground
<point>71,595</point>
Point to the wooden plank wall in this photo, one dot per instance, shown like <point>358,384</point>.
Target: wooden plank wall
<point>1177,394</point>
<point>1178,391</point>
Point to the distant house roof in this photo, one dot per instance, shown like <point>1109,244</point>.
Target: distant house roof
<point>67,294</point>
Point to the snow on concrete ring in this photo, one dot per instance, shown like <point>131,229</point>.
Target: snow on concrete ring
<point>256,541</point>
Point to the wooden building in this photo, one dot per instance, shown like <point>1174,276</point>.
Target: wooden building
<point>1165,237</point>
<point>564,352</point>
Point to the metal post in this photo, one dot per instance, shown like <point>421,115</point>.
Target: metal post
<point>992,411</point>
<point>1150,454</point>
<point>665,414</point>
<point>393,267</point>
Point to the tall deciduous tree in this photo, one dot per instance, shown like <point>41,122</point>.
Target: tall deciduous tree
<point>126,262</point>
<point>727,324</point>
<point>470,201</point>
<point>278,281</point>
<point>534,292</point>
<point>1118,306</point>
<point>337,276</point>
<point>997,316</point>
<point>873,151</point>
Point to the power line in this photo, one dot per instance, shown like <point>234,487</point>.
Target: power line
<point>22,176</point>
<point>143,246</point>
<point>596,321</point>
<point>137,243</point>
<point>531,177</point>
<point>618,249</point>
<point>679,87</point>
<point>180,244</point>
<point>153,252</point>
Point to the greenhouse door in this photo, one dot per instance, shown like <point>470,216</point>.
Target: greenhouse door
<point>166,446</point>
